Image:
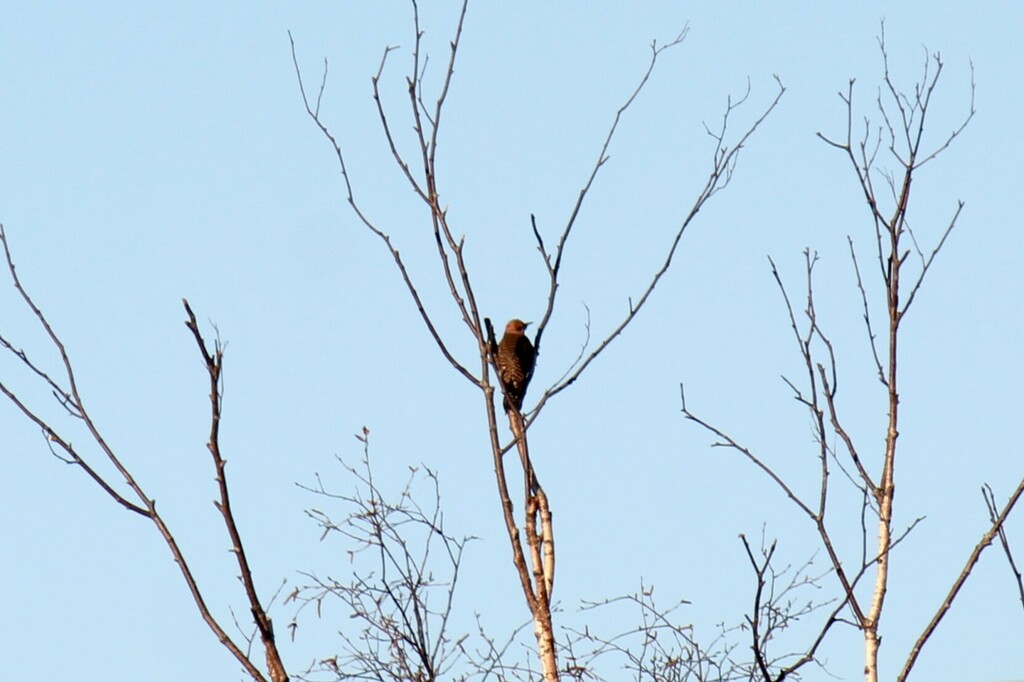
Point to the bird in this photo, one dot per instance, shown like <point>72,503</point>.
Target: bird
<point>516,357</point>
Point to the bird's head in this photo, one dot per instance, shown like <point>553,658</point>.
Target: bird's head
<point>516,326</point>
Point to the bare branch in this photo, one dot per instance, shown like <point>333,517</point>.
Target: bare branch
<point>867,313</point>
<point>460,288</point>
<point>723,162</point>
<point>816,517</point>
<point>314,114</point>
<point>726,441</point>
<point>71,400</point>
<point>602,157</point>
<point>776,608</point>
<point>990,502</point>
<point>214,361</point>
<point>656,648</point>
<point>965,573</point>
<point>401,593</point>
<point>927,262</point>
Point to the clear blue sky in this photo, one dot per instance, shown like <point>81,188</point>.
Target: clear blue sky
<point>152,152</point>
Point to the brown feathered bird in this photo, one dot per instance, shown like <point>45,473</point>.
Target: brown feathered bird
<point>516,358</point>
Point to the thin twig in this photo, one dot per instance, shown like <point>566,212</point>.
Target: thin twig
<point>990,502</point>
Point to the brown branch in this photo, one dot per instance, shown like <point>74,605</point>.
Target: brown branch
<point>70,397</point>
<point>62,396</point>
<point>774,610</point>
<point>965,573</point>
<point>851,449</point>
<point>52,437</point>
<point>314,114</point>
<point>927,262</point>
<point>402,635</point>
<point>726,441</point>
<point>656,648</point>
<point>758,639</point>
<point>862,168</point>
<point>443,237</point>
<point>602,157</point>
<point>723,163</point>
<point>214,362</point>
<point>867,313</point>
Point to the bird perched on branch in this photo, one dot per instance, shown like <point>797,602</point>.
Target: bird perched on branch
<point>516,358</point>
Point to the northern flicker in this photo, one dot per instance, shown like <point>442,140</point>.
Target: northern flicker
<point>516,357</point>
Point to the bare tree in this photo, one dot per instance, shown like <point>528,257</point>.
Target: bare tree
<point>399,587</point>
<point>534,559</point>
<point>404,605</point>
<point>405,570</point>
<point>531,537</point>
<point>898,139</point>
<point>661,646</point>
<point>129,493</point>
<point>657,647</point>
